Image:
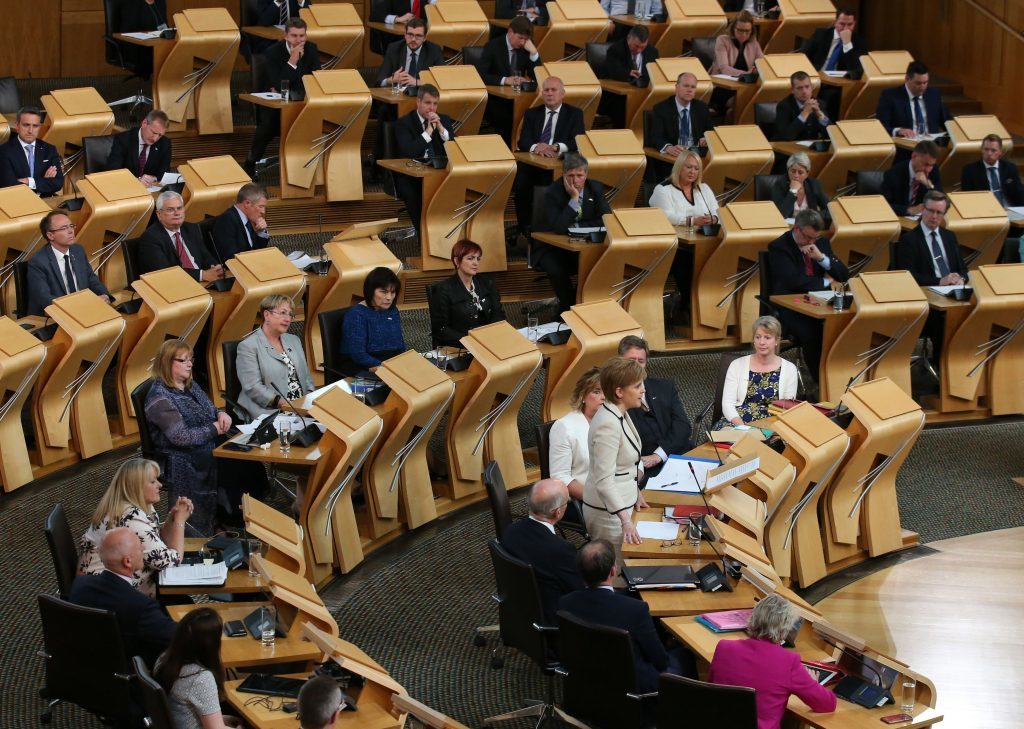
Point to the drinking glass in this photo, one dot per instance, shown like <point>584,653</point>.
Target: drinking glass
<point>284,436</point>
<point>532,323</point>
<point>268,624</point>
<point>909,695</point>
<point>517,81</point>
<point>695,529</point>
<point>284,90</point>
<point>689,224</point>
<point>254,546</point>
<point>205,555</point>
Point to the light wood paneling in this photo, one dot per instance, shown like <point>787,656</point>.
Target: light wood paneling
<point>30,39</point>
<point>82,47</point>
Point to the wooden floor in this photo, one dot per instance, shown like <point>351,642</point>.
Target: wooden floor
<point>956,617</point>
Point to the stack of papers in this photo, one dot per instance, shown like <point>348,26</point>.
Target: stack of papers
<point>308,401</point>
<point>944,290</point>
<point>676,476</point>
<point>195,574</point>
<point>268,95</point>
<point>666,531</point>
<point>148,35</point>
<point>169,178</point>
<point>726,621</point>
<point>1015,213</point>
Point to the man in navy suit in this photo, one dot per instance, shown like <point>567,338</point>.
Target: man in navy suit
<point>626,61</point>
<point>405,59</point>
<point>503,60</point>
<point>144,150</point>
<point>420,134</point>
<point>660,420</point>
<point>173,242</point>
<point>534,541</point>
<point>243,226</point>
<point>600,604</point>
<point>61,267</point>
<point>26,160</point>
<point>914,108</point>
<point>146,629</point>
<point>905,183</point>
<point>678,123</point>
<point>992,173</point>
<point>836,48</point>
<point>800,116</point>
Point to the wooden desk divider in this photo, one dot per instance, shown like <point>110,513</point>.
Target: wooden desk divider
<point>338,32</point>
<point>354,252</point>
<point>737,544</point>
<point>280,533</point>
<point>21,359</point>
<point>882,70</point>
<point>727,285</point>
<point>582,87</point>
<point>71,115</point>
<point>427,717</point>
<point>174,306</point>
<point>211,186</point>
<point>617,161</point>
<point>20,212</point>
<point>985,356</point>
<point>663,73</point>
<point>571,25</point>
<point>5,130</point>
<point>966,134</point>
<point>773,83</point>
<point>320,137</point>
<point>735,154</point>
<point>468,201</point>
<point>455,24</point>
<point>799,19</point>
<point>257,274</point>
<point>397,480</point>
<point>482,424</point>
<point>864,225</point>
<point>638,253</point>
<point>816,446</point>
<point>857,146</point>
<point>68,403</point>
<point>295,598</point>
<point>597,328</point>
<point>754,497</point>
<point>980,224</point>
<point>463,95</point>
<point>889,311</point>
<point>328,518</point>
<point>117,206</point>
<point>860,508</point>
<point>192,75</point>
<point>688,19</point>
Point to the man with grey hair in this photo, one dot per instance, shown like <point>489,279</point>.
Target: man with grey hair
<point>173,242</point>
<point>320,702</point>
<point>243,226</point>
<point>534,540</point>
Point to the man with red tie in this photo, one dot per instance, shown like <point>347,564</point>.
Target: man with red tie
<point>401,11</point>
<point>173,242</point>
<point>143,150</point>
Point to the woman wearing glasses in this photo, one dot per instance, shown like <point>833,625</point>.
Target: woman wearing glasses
<point>185,427</point>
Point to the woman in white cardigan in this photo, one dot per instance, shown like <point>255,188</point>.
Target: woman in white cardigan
<point>568,453</point>
<point>684,193</point>
<point>756,380</point>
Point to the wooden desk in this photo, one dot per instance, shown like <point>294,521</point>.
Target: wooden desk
<point>412,168</point>
<point>551,164</point>
<point>589,254</point>
<point>403,104</point>
<point>847,88</point>
<point>238,582</point>
<point>673,603</point>
<point>297,456</point>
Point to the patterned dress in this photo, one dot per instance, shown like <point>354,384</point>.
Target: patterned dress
<point>155,554</point>
<point>762,390</point>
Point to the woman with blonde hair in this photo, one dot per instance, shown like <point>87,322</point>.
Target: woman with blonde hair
<point>568,453</point>
<point>130,501</point>
<point>756,380</point>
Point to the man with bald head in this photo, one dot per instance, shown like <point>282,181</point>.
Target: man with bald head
<point>678,123</point>
<point>146,629</point>
<point>534,540</point>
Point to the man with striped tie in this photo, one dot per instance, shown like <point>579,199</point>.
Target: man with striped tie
<point>60,268</point>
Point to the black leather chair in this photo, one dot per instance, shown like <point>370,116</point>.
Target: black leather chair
<point>153,697</point>
<point>113,52</point>
<point>573,518</point>
<point>85,662</point>
<point>97,153</point>
<point>247,13</point>
<point>388,150</point>
<point>472,55</point>
<point>704,50</point>
<point>62,549</point>
<point>869,182</point>
<point>21,288</point>
<point>597,57</point>
<point>146,443</point>
<point>337,366</point>
<point>379,40</point>
<point>497,495</point>
<point>599,675</point>
<point>432,304</point>
<point>763,185</point>
<point>704,704</point>
<point>233,388</point>
<point>130,248</point>
<point>764,117</point>
<point>10,100</point>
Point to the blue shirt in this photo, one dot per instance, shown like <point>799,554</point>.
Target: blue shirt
<point>368,331</point>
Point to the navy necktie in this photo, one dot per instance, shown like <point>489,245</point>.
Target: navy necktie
<point>545,133</point>
<point>993,183</point>
<point>833,58</point>
<point>414,70</point>
<point>940,259</point>
<point>919,125</point>
<point>684,128</point>
<point>69,278</point>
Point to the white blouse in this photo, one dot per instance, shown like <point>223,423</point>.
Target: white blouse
<point>670,198</point>
<point>568,452</point>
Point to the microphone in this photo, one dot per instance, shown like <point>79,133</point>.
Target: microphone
<point>711,578</point>
<point>713,447</point>
<point>309,434</point>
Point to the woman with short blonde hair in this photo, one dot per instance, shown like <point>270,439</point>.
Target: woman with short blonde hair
<point>568,453</point>
<point>754,381</point>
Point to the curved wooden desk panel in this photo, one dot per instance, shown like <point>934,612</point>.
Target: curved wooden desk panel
<point>772,479</point>
<point>21,359</point>
<point>689,19</point>
<point>858,145</point>
<point>864,225</point>
<point>211,186</point>
<point>616,160</point>
<point>582,87</point>
<point>966,134</point>
<point>735,154</point>
<point>280,533</point>
<point>571,25</point>
<point>20,213</point>
<point>463,96</point>
<point>980,224</point>
<point>71,115</point>
<point>882,70</point>
<point>456,24</point>
<point>338,32</point>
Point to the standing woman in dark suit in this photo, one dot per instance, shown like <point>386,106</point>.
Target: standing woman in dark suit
<point>800,191</point>
<point>466,300</point>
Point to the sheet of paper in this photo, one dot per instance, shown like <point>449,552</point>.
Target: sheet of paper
<point>944,290</point>
<point>154,188</point>
<point>195,574</point>
<point>170,178</point>
<point>725,76</point>
<point>586,231</point>
<point>806,142</point>
<point>543,329</point>
<point>738,471</point>
<point>149,35</point>
<point>1015,213</point>
<point>300,259</point>
<point>662,530</point>
<point>268,95</point>
<point>835,74</point>
<point>825,295</point>
<point>675,475</point>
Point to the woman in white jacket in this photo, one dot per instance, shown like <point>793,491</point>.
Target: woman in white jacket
<point>756,380</point>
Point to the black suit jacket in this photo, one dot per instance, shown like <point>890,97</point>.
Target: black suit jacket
<point>267,12</point>
<point>605,607</point>
<point>398,8</point>
<point>665,122</point>
<point>138,16</point>
<point>619,63</point>
<point>409,137</point>
<point>894,109</point>
<point>229,236</point>
<point>455,313</point>
<point>816,198</point>
<point>510,8</point>
<point>975,177</point>
<point>494,64</point>
<point>787,264</point>
<point>665,424</point>
<point>14,166</point>
<point>146,629</point>
<point>816,49</point>
<point>896,186</point>
<point>790,128</point>
<point>568,127</point>
<point>124,154</point>
<point>394,58</point>
<point>46,278</point>
<point>915,255</point>
<point>156,249</point>
<point>277,68</point>
<point>553,559</point>
<point>559,217</point>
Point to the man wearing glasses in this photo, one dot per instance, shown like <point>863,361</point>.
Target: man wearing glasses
<point>173,242</point>
<point>61,267</point>
<point>405,59</point>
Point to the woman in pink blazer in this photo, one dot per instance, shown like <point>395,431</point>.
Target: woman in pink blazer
<point>761,663</point>
<point>735,53</point>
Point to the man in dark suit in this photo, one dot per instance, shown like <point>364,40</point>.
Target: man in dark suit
<point>914,108</point>
<point>143,150</point>
<point>905,183</point>
<point>405,59</point>
<point>420,134</point>
<point>627,59</point>
<point>534,540</point>
<point>678,123</point>
<point>289,60</point>
<point>799,115</point>
<point>570,202</point>
<point>802,261</point>
<point>399,11</point>
<point>505,59</point>
<point>600,604</point>
<point>27,160</point>
<point>549,130</point>
<point>243,226</point>
<point>146,629</point>
<point>660,420</point>
<point>992,173</point>
<point>536,11</point>
<point>278,12</point>
<point>60,268</point>
<point>836,48</point>
<point>173,242</point>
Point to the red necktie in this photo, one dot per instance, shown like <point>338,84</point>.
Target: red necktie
<point>808,265</point>
<point>143,155</point>
<point>914,190</point>
<point>416,8</point>
<point>182,253</point>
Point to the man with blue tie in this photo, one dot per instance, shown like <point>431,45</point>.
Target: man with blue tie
<point>27,160</point>
<point>678,123</point>
<point>914,109</point>
<point>836,49</point>
<point>992,173</point>
<point>61,267</point>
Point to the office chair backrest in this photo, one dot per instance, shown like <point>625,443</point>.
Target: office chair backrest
<point>893,245</point>
<point>472,55</point>
<point>869,182</point>
<point>597,57</point>
<point>763,185</point>
<point>724,360</point>
<point>259,75</point>
<point>388,150</point>
<point>10,100</point>
<point>152,696</point>
<point>704,50</point>
<point>433,305</point>
<point>379,41</point>
<point>232,385</point>
<point>543,446</point>
<point>111,22</point>
<point>206,228</point>
<point>519,605</point>
<point>146,443</point>
<point>764,117</point>
<point>648,127</point>
<point>336,364</point>
<point>63,550</point>
<point>248,13</point>
<point>704,704</point>
<point>130,249</point>
<point>497,495</point>
<point>97,153</point>
<point>21,289</point>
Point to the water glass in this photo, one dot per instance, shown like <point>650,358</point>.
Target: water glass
<point>532,323</point>
<point>909,695</point>
<point>695,529</point>
<point>689,224</point>
<point>284,436</point>
<point>268,625</point>
<point>640,9</point>
<point>284,90</point>
<point>517,81</point>
<point>323,264</point>
<point>396,89</point>
<point>255,547</point>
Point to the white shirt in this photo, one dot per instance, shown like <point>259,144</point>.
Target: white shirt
<point>931,253</point>
<point>174,246</point>
<point>562,148</point>
<point>428,135</point>
<point>60,267</point>
<point>550,527</point>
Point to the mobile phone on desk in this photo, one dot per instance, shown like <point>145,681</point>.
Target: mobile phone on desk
<point>234,628</point>
<point>897,718</point>
<point>240,447</point>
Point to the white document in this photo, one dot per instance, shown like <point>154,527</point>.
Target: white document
<point>725,76</point>
<point>835,74</point>
<point>1015,213</point>
<point>268,95</point>
<point>676,476</point>
<point>543,329</point>
<point>170,178</point>
<point>806,142</point>
<point>148,35</point>
<point>944,290</point>
<point>736,472</point>
<point>587,231</point>
<point>300,259</point>
<point>824,295</point>
<point>195,574</point>
<point>663,530</point>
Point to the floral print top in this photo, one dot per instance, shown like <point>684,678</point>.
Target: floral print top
<point>155,554</point>
<point>762,390</point>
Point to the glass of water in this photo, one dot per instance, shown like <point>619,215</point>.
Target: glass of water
<point>284,436</point>
<point>532,323</point>
<point>689,224</point>
<point>254,547</point>
<point>695,529</point>
<point>909,695</point>
<point>517,81</point>
<point>268,625</point>
<point>285,89</point>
